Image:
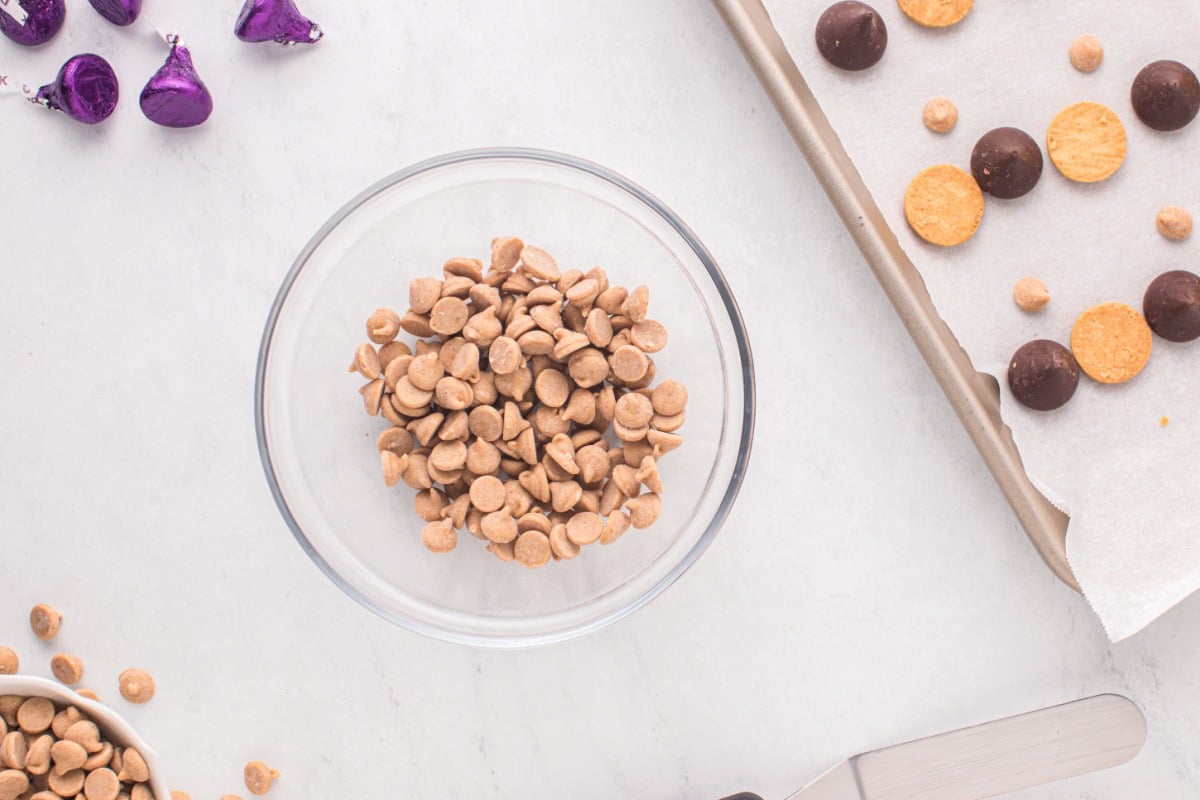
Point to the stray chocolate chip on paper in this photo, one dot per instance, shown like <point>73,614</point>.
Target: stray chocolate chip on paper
<point>851,35</point>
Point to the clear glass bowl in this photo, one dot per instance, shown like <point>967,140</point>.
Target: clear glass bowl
<point>318,447</point>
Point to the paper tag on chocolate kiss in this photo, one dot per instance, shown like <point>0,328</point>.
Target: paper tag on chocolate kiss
<point>13,9</point>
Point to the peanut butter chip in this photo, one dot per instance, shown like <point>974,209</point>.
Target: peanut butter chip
<point>9,662</point>
<point>383,326</point>
<point>935,13</point>
<point>258,777</point>
<point>393,467</point>
<point>101,784</point>
<point>87,735</point>
<point>1174,223</point>
<point>423,293</point>
<point>1086,53</point>
<point>644,510</point>
<point>67,784</point>
<point>439,537</point>
<point>13,750</point>
<point>649,335</point>
<point>616,524</point>
<point>584,528</point>
<point>1111,342</point>
<point>634,411</point>
<point>37,758</point>
<point>537,263</point>
<point>13,784</point>
<point>140,791</point>
<point>629,363</point>
<point>487,494</point>
<point>499,526</point>
<point>366,361</point>
<point>89,694</point>
<point>136,686</point>
<point>532,549</point>
<point>1086,142</point>
<point>67,756</point>
<point>669,398</point>
<point>1030,294</point>
<point>944,205</point>
<point>560,545</point>
<point>45,621</point>
<point>506,252</point>
<point>940,115</point>
<point>35,715</point>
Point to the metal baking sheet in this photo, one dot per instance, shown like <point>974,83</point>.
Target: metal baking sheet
<point>974,396</point>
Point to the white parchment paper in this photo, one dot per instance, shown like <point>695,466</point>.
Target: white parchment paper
<point>1130,484</point>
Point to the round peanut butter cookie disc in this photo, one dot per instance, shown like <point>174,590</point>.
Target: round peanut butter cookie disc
<point>1111,342</point>
<point>944,205</point>
<point>936,13</point>
<point>1086,142</point>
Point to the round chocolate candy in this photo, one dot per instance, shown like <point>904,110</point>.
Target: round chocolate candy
<point>1172,306</point>
<point>32,22</point>
<point>1043,375</point>
<point>1006,162</point>
<point>118,12</point>
<point>1165,95</point>
<point>851,35</point>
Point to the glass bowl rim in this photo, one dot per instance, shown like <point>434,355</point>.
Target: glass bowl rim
<point>745,356</point>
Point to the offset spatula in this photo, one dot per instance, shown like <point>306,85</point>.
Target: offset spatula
<point>990,759</point>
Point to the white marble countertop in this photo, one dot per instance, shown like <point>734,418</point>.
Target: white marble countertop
<point>871,586</point>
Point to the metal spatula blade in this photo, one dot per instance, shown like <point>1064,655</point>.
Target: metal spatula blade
<point>993,758</point>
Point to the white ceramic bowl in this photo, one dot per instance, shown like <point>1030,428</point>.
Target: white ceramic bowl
<point>111,725</point>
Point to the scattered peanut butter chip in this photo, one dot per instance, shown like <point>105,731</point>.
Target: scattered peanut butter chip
<point>228,797</point>
<point>1164,422</point>
<point>136,686</point>
<point>1086,53</point>
<point>1111,342</point>
<point>944,205</point>
<point>1174,222</point>
<point>45,621</point>
<point>89,694</point>
<point>67,668</point>
<point>940,115</point>
<point>9,662</point>
<point>1086,142</point>
<point>178,795</point>
<point>936,13</point>
<point>258,777</point>
<point>532,549</point>
<point>1030,294</point>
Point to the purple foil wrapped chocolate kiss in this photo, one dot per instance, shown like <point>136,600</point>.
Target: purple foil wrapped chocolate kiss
<point>86,89</point>
<point>275,21</point>
<point>118,12</point>
<point>31,22</point>
<point>176,97</point>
